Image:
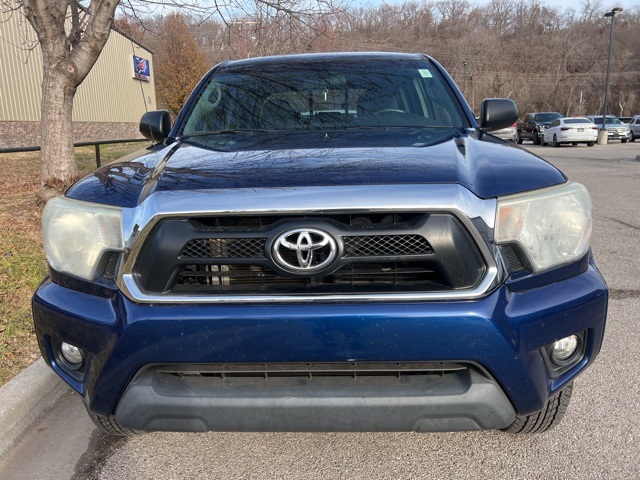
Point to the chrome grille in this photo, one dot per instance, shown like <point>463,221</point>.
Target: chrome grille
<point>376,252</point>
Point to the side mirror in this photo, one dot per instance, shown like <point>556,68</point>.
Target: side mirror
<point>497,113</point>
<point>155,125</point>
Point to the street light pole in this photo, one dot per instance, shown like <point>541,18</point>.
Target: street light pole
<point>603,136</point>
<point>464,75</point>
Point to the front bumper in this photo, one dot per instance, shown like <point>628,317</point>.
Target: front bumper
<point>455,401</point>
<point>619,135</point>
<point>502,334</point>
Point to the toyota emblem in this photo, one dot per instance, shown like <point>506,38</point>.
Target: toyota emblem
<point>304,250</point>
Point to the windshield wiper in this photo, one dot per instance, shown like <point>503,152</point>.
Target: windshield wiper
<point>230,131</point>
<point>414,127</point>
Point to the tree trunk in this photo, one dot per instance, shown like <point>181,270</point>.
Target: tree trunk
<point>57,158</point>
<point>67,58</point>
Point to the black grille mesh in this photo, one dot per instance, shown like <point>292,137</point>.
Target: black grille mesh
<point>224,248</point>
<point>361,246</point>
<point>386,246</point>
<point>515,265</point>
<point>111,265</point>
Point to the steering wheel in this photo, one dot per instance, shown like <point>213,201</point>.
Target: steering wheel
<point>215,96</point>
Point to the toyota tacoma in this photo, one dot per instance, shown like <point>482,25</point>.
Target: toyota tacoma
<point>323,242</point>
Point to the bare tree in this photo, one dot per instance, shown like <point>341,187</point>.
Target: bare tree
<point>177,75</point>
<point>624,99</point>
<point>71,37</point>
<point>69,51</point>
<point>544,57</point>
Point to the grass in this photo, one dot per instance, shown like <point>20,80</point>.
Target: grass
<point>22,260</point>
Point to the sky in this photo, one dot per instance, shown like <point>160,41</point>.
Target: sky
<point>608,5</point>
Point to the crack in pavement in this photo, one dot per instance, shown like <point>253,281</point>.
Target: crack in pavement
<point>100,448</point>
<point>620,294</point>
<point>615,220</point>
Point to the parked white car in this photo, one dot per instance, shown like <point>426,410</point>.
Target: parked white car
<point>634,126</point>
<point>572,130</point>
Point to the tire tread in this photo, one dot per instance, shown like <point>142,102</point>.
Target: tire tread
<point>110,426</point>
<point>547,418</point>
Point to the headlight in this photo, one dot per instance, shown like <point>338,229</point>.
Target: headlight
<point>553,226</point>
<point>75,235</point>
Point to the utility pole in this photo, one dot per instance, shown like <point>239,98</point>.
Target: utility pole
<point>464,76</point>
<point>603,136</point>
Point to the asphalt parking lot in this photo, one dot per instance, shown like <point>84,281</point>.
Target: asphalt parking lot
<point>598,439</point>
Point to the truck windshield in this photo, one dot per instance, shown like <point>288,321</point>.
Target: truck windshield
<point>318,95</point>
<point>547,117</point>
<point>610,120</point>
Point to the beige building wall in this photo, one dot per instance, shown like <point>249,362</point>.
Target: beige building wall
<point>20,69</point>
<point>109,97</point>
<point>110,93</point>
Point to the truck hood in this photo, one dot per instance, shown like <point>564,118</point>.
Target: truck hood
<point>484,165</point>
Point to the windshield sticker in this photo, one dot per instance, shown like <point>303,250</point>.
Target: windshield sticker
<point>425,72</point>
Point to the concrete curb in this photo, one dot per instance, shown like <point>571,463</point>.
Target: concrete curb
<point>26,399</point>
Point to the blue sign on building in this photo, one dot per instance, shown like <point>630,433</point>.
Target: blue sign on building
<point>141,68</point>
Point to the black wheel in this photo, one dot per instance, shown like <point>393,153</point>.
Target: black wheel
<point>109,426</point>
<point>519,138</point>
<point>555,142</point>
<point>590,144</point>
<point>624,140</point>
<point>549,417</point>
<point>574,143</point>
<point>633,137</point>
<point>535,138</point>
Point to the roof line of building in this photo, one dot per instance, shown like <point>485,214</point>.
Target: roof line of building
<point>129,37</point>
<point>116,29</point>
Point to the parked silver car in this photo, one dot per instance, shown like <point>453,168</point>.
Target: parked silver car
<point>509,134</point>
<point>615,128</point>
<point>634,126</point>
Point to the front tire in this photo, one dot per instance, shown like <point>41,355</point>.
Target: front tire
<point>535,138</point>
<point>550,416</point>
<point>590,144</point>
<point>519,138</point>
<point>555,142</point>
<point>624,140</point>
<point>110,426</point>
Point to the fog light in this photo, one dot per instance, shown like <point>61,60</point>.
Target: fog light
<point>71,353</point>
<point>564,348</point>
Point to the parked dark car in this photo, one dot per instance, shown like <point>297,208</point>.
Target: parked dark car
<point>533,126</point>
<point>324,242</point>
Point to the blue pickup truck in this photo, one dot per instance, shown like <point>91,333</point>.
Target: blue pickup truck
<point>323,242</point>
